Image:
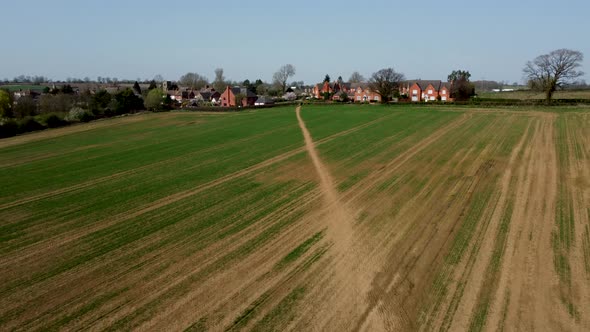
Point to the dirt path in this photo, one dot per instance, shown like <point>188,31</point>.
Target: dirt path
<point>339,221</point>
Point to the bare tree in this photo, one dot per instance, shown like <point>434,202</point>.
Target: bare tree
<point>282,75</point>
<point>193,80</point>
<point>386,82</point>
<point>356,77</point>
<point>158,78</point>
<point>551,71</point>
<point>219,83</point>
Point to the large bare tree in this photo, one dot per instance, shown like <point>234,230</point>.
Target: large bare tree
<point>551,71</point>
<point>193,80</point>
<point>356,77</point>
<point>219,83</point>
<point>386,82</point>
<point>282,75</point>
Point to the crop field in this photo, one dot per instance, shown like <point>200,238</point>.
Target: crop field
<point>337,218</point>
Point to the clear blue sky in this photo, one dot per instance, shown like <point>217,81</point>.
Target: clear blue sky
<point>252,39</point>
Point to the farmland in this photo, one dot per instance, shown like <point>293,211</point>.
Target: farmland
<point>336,218</point>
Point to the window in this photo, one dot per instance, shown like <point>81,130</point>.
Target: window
<point>376,97</point>
<point>429,92</point>
<point>444,92</point>
<point>414,92</point>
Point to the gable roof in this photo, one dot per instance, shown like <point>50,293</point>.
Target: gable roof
<point>423,84</point>
<point>244,91</point>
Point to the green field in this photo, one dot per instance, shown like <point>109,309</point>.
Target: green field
<point>446,219</point>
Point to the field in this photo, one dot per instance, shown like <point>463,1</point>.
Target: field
<point>329,218</point>
<point>532,95</point>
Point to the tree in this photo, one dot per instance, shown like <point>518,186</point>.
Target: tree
<point>344,96</point>
<point>153,85</point>
<point>239,98</point>
<point>461,88</point>
<point>5,104</point>
<point>458,74</point>
<point>385,82</point>
<point>136,88</point>
<point>100,101</point>
<point>193,80</point>
<point>219,83</point>
<point>326,79</point>
<point>127,102</point>
<point>25,106</point>
<point>158,78</point>
<point>282,75</point>
<point>154,100</point>
<point>59,103</point>
<point>261,89</point>
<point>551,71</point>
<point>356,77</point>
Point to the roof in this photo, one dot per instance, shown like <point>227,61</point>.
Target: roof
<point>265,100</point>
<point>423,84</point>
<point>244,91</point>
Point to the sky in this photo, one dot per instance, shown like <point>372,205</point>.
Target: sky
<point>253,39</point>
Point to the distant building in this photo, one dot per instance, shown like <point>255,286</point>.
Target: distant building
<point>228,97</point>
<point>426,90</point>
<point>263,100</point>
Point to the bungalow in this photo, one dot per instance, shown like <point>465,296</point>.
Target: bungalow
<point>423,90</point>
<point>264,100</point>
<point>228,97</point>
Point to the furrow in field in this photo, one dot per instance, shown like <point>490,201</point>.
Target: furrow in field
<point>368,183</point>
<point>576,180</point>
<point>526,275</point>
<point>473,305</point>
<point>423,231</point>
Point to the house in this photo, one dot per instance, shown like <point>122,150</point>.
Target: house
<point>228,97</point>
<point>426,90</point>
<point>363,93</point>
<point>208,94</point>
<point>334,88</point>
<point>263,100</point>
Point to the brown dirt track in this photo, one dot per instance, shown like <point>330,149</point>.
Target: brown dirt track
<point>480,222</point>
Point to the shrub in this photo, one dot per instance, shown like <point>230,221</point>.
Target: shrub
<point>29,124</point>
<point>78,114</point>
<point>8,128</point>
<point>53,120</point>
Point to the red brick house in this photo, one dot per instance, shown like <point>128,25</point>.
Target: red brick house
<point>334,89</point>
<point>364,94</point>
<point>422,90</point>
<point>228,97</point>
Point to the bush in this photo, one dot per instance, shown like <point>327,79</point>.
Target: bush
<point>29,124</point>
<point>53,120</point>
<point>78,114</point>
<point>8,128</point>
